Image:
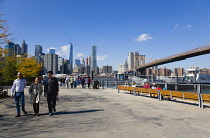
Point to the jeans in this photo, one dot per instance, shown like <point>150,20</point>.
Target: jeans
<point>36,108</point>
<point>19,98</point>
<point>51,100</point>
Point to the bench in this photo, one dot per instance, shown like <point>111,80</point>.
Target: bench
<point>168,94</point>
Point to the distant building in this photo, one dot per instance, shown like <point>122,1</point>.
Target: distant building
<point>60,65</point>
<point>77,62</point>
<point>130,60</point>
<point>206,71</point>
<point>38,50</point>
<point>17,49</point>
<point>179,71</point>
<point>70,57</point>
<point>87,70</point>
<point>123,68</point>
<point>24,48</point>
<point>9,46</point>
<point>50,63</point>
<point>93,63</point>
<point>107,69</point>
<point>51,51</point>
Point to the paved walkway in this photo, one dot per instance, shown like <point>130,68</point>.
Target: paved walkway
<point>105,113</point>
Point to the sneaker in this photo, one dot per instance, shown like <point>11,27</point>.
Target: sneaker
<point>25,112</point>
<point>18,115</point>
<point>50,114</point>
<point>54,110</point>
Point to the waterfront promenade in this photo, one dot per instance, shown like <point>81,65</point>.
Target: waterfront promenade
<point>105,113</point>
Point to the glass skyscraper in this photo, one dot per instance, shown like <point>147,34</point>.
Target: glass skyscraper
<point>52,51</point>
<point>38,50</point>
<point>70,57</point>
<point>24,48</point>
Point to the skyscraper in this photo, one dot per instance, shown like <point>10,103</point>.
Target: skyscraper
<point>24,48</point>
<point>50,63</point>
<point>70,57</point>
<point>10,47</point>
<point>38,50</point>
<point>93,59</point>
<point>130,60</point>
<point>52,51</point>
<point>17,49</point>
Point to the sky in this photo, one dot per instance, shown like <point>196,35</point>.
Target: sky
<point>154,28</point>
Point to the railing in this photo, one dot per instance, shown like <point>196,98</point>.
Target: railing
<point>170,94</point>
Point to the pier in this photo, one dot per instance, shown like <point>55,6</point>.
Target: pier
<point>94,113</point>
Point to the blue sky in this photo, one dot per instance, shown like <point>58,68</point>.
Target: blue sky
<point>155,28</point>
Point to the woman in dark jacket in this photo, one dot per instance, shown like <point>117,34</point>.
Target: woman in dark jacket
<point>35,91</point>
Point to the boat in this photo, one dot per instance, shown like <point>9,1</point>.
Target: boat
<point>196,75</point>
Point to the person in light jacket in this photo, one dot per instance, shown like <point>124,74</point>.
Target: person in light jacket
<point>36,91</point>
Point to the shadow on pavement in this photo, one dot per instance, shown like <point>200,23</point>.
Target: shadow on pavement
<point>73,112</point>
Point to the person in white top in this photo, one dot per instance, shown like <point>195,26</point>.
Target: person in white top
<point>17,91</point>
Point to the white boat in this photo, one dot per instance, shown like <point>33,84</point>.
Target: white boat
<point>195,75</point>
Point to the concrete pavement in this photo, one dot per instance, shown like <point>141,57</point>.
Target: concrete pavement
<point>105,113</point>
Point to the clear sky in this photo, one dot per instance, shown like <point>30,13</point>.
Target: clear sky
<point>155,28</point>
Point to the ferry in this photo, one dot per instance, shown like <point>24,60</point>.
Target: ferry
<point>195,75</point>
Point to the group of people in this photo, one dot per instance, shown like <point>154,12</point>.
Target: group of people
<point>51,89</point>
<point>74,81</point>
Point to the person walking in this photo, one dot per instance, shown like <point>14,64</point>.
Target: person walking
<point>51,90</point>
<point>88,82</point>
<point>35,91</point>
<point>17,91</point>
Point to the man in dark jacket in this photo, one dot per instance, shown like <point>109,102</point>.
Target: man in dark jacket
<point>51,90</point>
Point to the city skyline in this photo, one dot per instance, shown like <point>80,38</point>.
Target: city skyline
<point>156,29</point>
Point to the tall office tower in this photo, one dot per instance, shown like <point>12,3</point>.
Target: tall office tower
<point>50,63</point>
<point>89,60</point>
<point>107,69</point>
<point>93,59</point>
<point>130,60</point>
<point>52,51</point>
<point>38,50</point>
<point>24,48</point>
<point>87,70</point>
<point>70,57</point>
<point>60,65</point>
<point>77,62</point>
<point>17,49</point>
<point>10,47</point>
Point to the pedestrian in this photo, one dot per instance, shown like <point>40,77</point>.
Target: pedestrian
<point>35,91</point>
<point>146,85</point>
<point>88,82</point>
<point>71,82</point>
<point>17,91</point>
<point>51,91</point>
<point>83,82</point>
<point>67,82</point>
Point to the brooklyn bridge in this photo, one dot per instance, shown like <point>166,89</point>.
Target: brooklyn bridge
<point>177,57</point>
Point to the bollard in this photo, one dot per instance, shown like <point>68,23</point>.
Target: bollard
<point>200,100</point>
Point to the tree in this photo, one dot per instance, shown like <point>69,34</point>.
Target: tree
<point>28,66</point>
<point>4,35</point>
<point>7,67</point>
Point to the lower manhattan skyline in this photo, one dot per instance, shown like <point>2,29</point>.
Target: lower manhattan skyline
<point>156,29</point>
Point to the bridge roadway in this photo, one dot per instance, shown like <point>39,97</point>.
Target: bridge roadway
<point>178,57</point>
<point>105,113</point>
